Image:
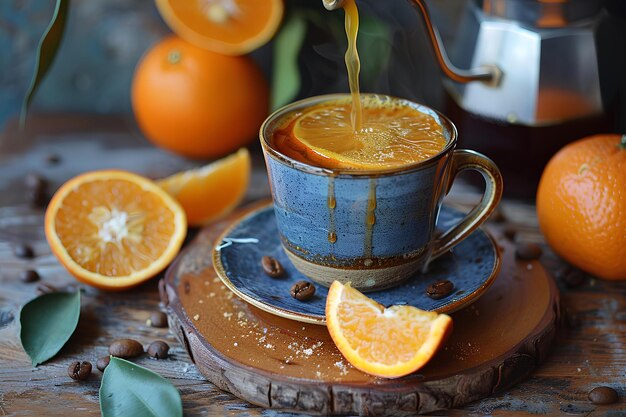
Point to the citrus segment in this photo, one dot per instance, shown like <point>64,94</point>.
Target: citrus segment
<point>231,27</point>
<point>387,342</point>
<point>390,136</point>
<point>211,192</point>
<point>581,204</point>
<point>114,229</point>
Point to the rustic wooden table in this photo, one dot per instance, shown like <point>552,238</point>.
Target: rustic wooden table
<point>589,351</point>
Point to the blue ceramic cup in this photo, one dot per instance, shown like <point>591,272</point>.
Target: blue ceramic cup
<point>371,228</point>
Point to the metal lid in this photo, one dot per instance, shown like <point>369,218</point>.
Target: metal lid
<point>542,13</point>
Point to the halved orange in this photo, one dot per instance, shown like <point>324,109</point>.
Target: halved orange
<point>229,27</point>
<point>114,229</point>
<point>391,135</point>
<point>209,193</point>
<point>387,342</point>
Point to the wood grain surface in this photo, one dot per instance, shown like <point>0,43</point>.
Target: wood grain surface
<point>286,365</point>
<point>590,350</point>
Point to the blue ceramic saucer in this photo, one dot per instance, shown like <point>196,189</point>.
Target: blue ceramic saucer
<point>472,266</point>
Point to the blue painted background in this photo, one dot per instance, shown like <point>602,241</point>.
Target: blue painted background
<point>92,72</point>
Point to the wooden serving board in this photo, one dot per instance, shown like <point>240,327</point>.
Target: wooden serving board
<point>292,366</point>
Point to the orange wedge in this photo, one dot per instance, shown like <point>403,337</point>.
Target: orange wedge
<point>386,342</point>
<point>391,136</point>
<point>229,27</point>
<point>209,193</point>
<point>114,229</point>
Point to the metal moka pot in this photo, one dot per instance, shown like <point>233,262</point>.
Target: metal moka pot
<point>532,62</point>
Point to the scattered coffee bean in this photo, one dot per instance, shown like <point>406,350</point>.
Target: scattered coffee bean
<point>572,277</point>
<point>102,363</point>
<point>603,395</point>
<point>23,251</point>
<point>36,190</point>
<point>509,232</point>
<point>29,276</point>
<point>158,319</point>
<point>53,158</point>
<point>439,289</point>
<point>272,267</point>
<point>303,290</point>
<point>35,181</point>
<point>528,251</point>
<point>158,349</point>
<point>126,348</point>
<point>38,198</point>
<point>497,217</point>
<point>44,288</point>
<point>79,370</point>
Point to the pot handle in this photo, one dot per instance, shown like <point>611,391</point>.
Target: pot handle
<point>488,74</point>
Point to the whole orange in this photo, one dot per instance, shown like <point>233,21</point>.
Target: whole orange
<point>581,205</point>
<point>198,103</point>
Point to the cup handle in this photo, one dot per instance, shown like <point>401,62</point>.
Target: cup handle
<point>463,159</point>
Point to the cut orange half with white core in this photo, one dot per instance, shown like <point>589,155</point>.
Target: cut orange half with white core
<point>386,342</point>
<point>210,192</point>
<point>114,229</point>
<point>229,27</point>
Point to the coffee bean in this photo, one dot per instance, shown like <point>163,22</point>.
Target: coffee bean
<point>158,319</point>
<point>126,348</point>
<point>303,290</point>
<point>44,288</point>
<point>23,251</point>
<point>509,232</point>
<point>439,289</point>
<point>572,277</point>
<point>29,276</point>
<point>37,197</point>
<point>497,217</point>
<point>35,181</point>
<point>528,251</point>
<point>102,363</point>
<point>53,158</point>
<point>79,370</point>
<point>36,190</point>
<point>603,395</point>
<point>158,349</point>
<point>272,267</point>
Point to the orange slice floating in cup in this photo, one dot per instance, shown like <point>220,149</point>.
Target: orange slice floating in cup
<point>229,27</point>
<point>211,192</point>
<point>391,136</point>
<point>114,229</point>
<point>387,342</point>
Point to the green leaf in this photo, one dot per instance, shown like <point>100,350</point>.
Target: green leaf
<point>47,322</point>
<point>286,74</point>
<point>46,51</point>
<point>129,390</point>
<point>374,40</point>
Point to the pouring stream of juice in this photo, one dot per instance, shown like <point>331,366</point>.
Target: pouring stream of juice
<point>352,62</point>
<point>369,132</point>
